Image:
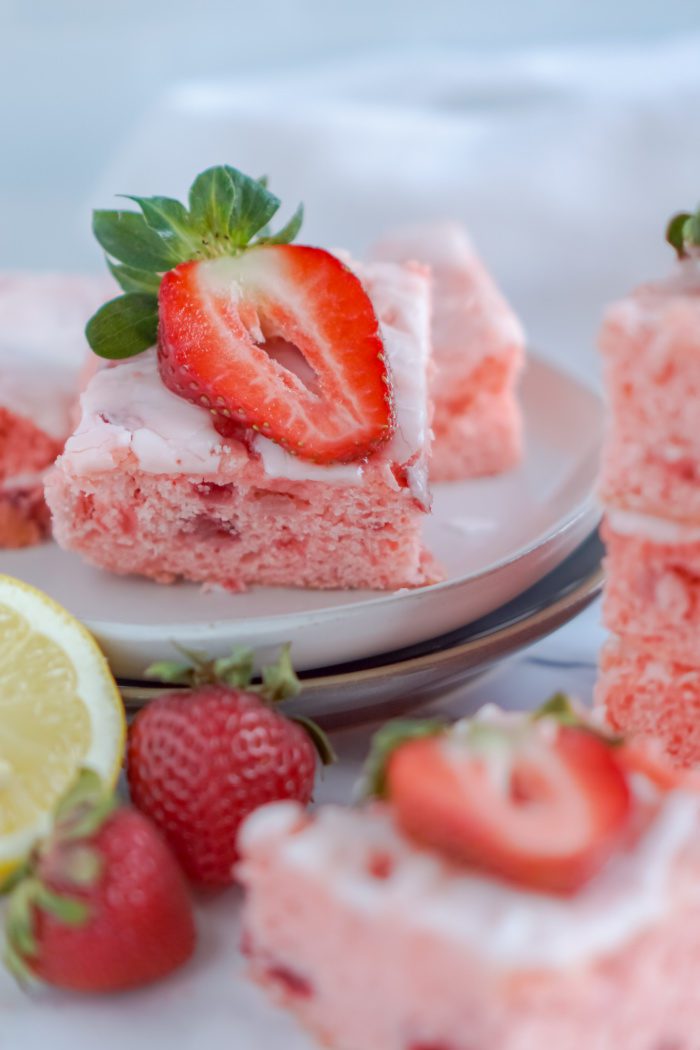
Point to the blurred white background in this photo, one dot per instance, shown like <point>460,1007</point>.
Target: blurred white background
<point>561,131</point>
<point>76,74</point>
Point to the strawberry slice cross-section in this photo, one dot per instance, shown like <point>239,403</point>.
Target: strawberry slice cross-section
<point>229,327</point>
<point>544,807</point>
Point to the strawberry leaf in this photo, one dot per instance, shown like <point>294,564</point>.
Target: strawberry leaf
<point>126,236</point>
<point>19,923</point>
<point>675,233</point>
<point>561,708</point>
<point>279,680</point>
<point>132,280</point>
<point>254,206</point>
<point>237,669</point>
<point>124,327</point>
<point>170,672</point>
<point>692,230</point>
<point>387,740</point>
<point>288,232</point>
<point>212,198</point>
<point>683,233</point>
<point>68,910</point>
<point>172,222</point>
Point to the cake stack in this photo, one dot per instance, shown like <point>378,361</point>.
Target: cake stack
<point>650,668</point>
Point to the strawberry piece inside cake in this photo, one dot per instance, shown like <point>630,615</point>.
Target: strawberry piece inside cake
<point>148,485</point>
<point>478,348</point>
<point>376,939</point>
<point>650,670</point>
<point>42,349</point>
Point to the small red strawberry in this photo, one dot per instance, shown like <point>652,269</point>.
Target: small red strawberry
<point>200,761</point>
<point>533,801</point>
<point>231,312</point>
<point>101,905</point>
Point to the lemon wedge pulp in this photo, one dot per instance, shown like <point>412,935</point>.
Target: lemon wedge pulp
<point>60,710</point>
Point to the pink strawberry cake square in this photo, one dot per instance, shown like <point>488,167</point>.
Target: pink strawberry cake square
<point>148,485</point>
<point>42,350</point>
<point>378,938</point>
<point>650,342</point>
<point>478,348</point>
<point>650,670</point>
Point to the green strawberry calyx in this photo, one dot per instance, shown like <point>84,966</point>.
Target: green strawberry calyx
<point>227,212</point>
<point>69,860</point>
<point>387,740</point>
<point>278,683</point>
<point>683,234</point>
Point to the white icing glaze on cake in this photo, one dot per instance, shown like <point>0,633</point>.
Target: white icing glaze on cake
<point>648,527</point>
<point>506,926</point>
<point>127,408</point>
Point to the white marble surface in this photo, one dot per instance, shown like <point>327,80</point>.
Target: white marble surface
<point>210,1004</point>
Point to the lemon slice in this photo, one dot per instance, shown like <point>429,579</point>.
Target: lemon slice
<point>60,710</point>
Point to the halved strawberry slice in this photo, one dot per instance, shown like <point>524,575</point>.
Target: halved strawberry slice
<point>539,804</point>
<point>224,328</point>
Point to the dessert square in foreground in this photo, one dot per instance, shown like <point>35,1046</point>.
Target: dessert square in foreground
<point>376,943</point>
<point>42,350</point>
<point>478,348</point>
<point>147,485</point>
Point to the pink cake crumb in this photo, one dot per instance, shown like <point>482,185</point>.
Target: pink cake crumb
<point>146,484</point>
<point>376,944</point>
<point>643,689</point>
<point>478,347</point>
<point>653,582</point>
<point>650,343</point>
<point>42,348</point>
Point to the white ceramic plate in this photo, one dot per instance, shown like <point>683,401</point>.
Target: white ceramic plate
<point>397,683</point>
<point>494,536</point>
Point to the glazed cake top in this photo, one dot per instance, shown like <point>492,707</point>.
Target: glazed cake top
<point>126,409</point>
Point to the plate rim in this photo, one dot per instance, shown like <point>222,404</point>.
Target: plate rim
<point>572,602</point>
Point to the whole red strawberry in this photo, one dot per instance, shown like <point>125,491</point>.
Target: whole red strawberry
<point>102,904</point>
<point>199,761</point>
